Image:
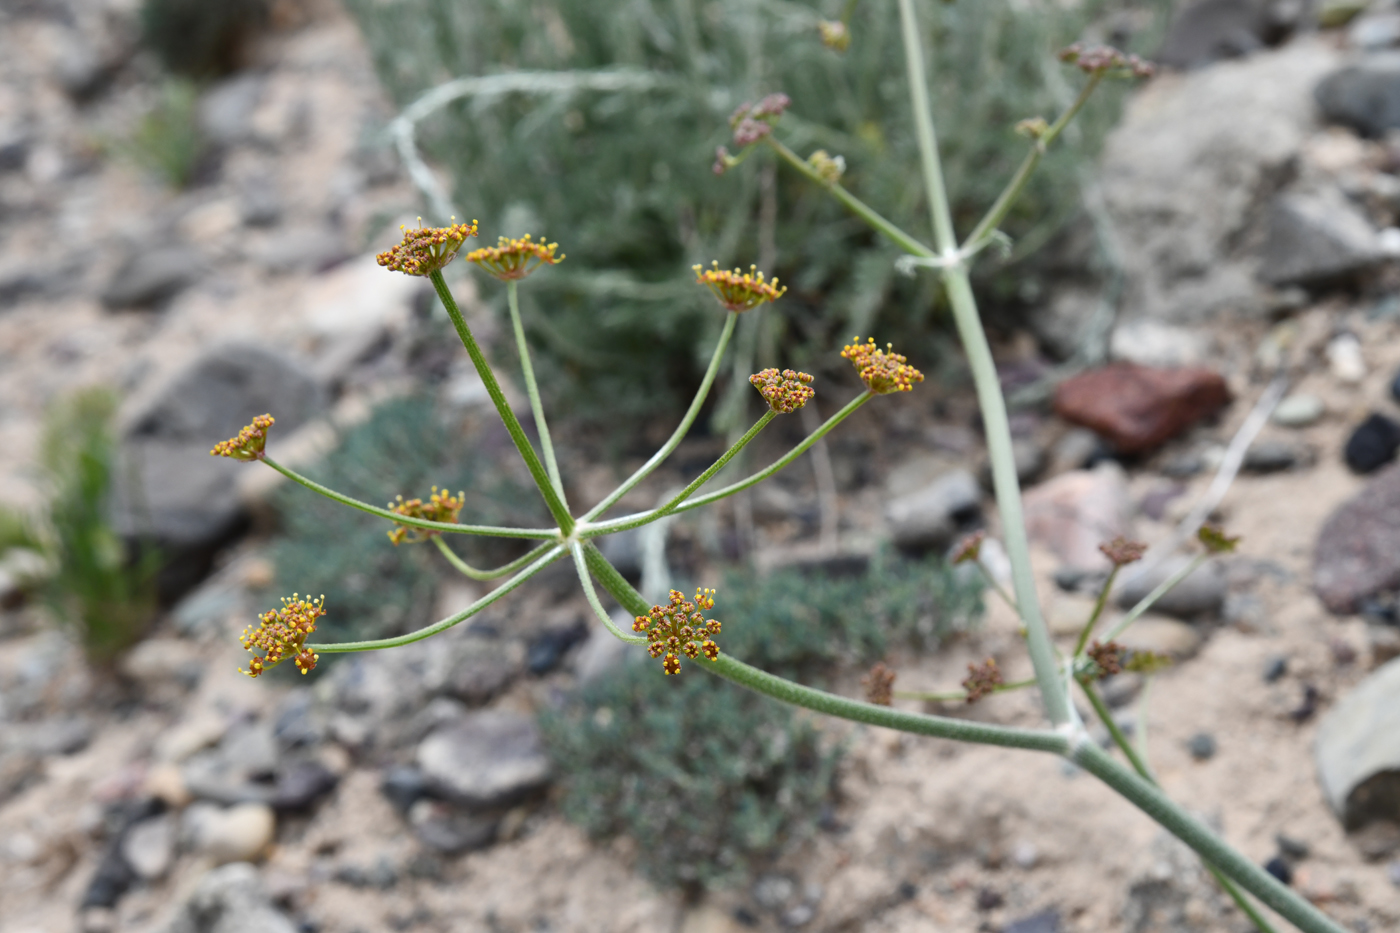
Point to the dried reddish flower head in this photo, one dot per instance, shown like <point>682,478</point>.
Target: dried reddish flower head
<point>835,35</point>
<point>883,371</point>
<point>441,506</point>
<point>752,122</point>
<point>785,391</point>
<point>1105,59</point>
<point>426,249</point>
<point>249,443</point>
<point>282,634</point>
<point>879,684</point>
<point>1215,540</point>
<point>680,629</point>
<point>511,259</point>
<point>981,680</point>
<point>1108,657</point>
<point>969,548</point>
<point>738,291</point>
<point>1122,551</point>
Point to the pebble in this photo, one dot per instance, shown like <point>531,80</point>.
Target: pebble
<point>1202,592</point>
<point>239,834</point>
<point>230,899</point>
<point>799,915</point>
<point>1280,869</point>
<point>149,846</point>
<point>300,785</point>
<point>1356,561</point>
<point>488,759</point>
<point>773,891</point>
<point>929,517</point>
<point>549,647</point>
<point>1047,921</point>
<point>403,786</point>
<point>1372,444</point>
<point>1162,635</point>
<point>1299,411</point>
<point>1394,872</point>
<point>1395,387</point>
<point>989,899</point>
<point>1358,749</point>
<point>1077,511</point>
<point>1344,359</point>
<point>1274,669</point>
<point>1201,746</point>
<point>1271,456</point>
<point>1291,848</point>
<point>444,829</point>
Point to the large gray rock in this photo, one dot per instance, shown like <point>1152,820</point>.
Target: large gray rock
<point>1184,183</point>
<point>1210,30</point>
<point>1364,95</point>
<point>487,760</point>
<point>1202,592</point>
<point>231,899</point>
<point>929,517</point>
<point>1358,751</point>
<point>1358,549</point>
<point>1316,239</point>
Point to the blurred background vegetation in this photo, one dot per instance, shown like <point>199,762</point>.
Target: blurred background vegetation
<point>623,179</point>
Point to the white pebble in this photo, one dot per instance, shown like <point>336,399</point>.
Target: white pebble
<point>1344,358</point>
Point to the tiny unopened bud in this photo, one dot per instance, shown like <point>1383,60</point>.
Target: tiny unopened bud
<point>879,685</point>
<point>829,167</point>
<point>752,122</point>
<point>1215,540</point>
<point>1122,552</point>
<point>834,34</point>
<point>723,161</point>
<point>981,679</point>
<point>969,548</point>
<point>1107,657</point>
<point>1032,128</point>
<point>1146,662</point>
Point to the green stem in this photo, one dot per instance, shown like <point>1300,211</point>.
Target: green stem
<point>533,390</point>
<point>581,564</point>
<point>858,207</point>
<point>493,388</point>
<point>1053,690</point>
<point>642,518</point>
<point>1098,611</point>
<point>1214,851</point>
<point>1150,599</point>
<point>555,552</point>
<point>1007,199</point>
<point>494,531</point>
<point>467,570</point>
<point>952,695</point>
<point>681,430</point>
<point>992,582</point>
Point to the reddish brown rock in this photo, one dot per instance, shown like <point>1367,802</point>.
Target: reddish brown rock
<point>1358,550</point>
<point>1139,407</point>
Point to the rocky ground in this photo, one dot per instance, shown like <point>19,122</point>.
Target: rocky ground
<point>1256,224</point>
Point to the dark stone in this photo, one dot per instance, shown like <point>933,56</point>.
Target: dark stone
<point>907,891</point>
<point>403,786</point>
<point>444,829</point>
<point>1275,669</point>
<point>550,646</point>
<point>1316,240</point>
<point>1373,444</point>
<point>151,276</point>
<point>1307,706</point>
<point>989,899</point>
<point>1291,848</point>
<point>1395,387</point>
<point>1364,96</point>
<point>1358,550</point>
<point>1201,746</point>
<point>482,667</point>
<point>1047,921</point>
<point>1137,408</point>
<point>301,784</point>
<point>1280,869</point>
<point>381,874</point>
<point>1212,30</point>
<point>110,881</point>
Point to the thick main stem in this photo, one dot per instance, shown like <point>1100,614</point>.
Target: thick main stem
<point>532,389</point>
<point>681,430</point>
<point>498,398</point>
<point>1054,690</point>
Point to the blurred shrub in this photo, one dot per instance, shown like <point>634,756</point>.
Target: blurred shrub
<point>167,142</point>
<point>405,447</point>
<point>97,585</point>
<point>623,180</point>
<point>709,778</point>
<point>200,38</point>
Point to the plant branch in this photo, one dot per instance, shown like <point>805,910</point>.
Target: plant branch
<point>495,531</point>
<point>468,570</point>
<point>582,565</point>
<point>533,390</point>
<point>939,212</point>
<point>1098,611</point>
<point>681,430</point>
<point>642,518</point>
<point>493,388</point>
<point>954,695</point>
<point>1147,601</point>
<point>555,552</point>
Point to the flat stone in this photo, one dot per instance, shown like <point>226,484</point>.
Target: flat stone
<point>1077,511</point>
<point>1137,408</point>
<point>301,784</point>
<point>1274,456</point>
<point>444,829</point>
<point>1202,592</point>
<point>1358,750</point>
<point>1161,635</point>
<point>1364,95</point>
<point>151,276</point>
<point>480,668</point>
<point>929,516</point>
<point>490,759</point>
<point>230,899</point>
<point>1358,549</point>
<point>1046,921</point>
<point>1315,240</point>
<point>1298,411</point>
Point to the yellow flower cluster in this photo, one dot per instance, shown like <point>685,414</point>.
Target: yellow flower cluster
<point>680,628</point>
<point>883,371</point>
<point>282,634</point>
<point>785,391</point>
<point>738,291</point>
<point>514,259</point>
<point>249,443</point>
<point>426,249</point>
<point>441,506</point>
